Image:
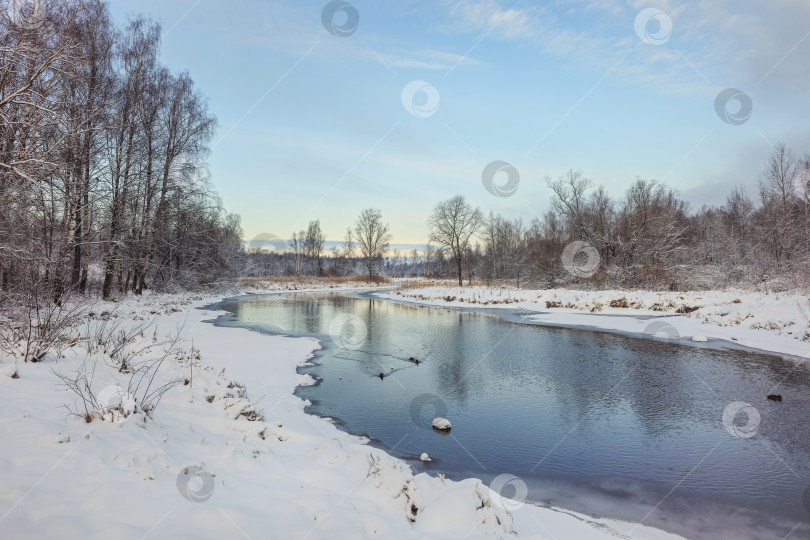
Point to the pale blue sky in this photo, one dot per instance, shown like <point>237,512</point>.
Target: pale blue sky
<point>312,125</point>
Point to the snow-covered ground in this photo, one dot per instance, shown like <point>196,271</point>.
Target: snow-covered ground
<point>778,323</point>
<point>229,451</point>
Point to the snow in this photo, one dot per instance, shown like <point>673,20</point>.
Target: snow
<point>442,424</point>
<point>777,323</point>
<point>197,466</point>
<point>425,457</point>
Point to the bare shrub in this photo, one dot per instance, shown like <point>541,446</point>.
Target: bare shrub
<point>130,352</point>
<point>36,326</point>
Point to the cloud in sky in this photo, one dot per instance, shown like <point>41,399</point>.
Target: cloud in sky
<point>281,27</point>
<point>744,40</point>
<point>489,17</point>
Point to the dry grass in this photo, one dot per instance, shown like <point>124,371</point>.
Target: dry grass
<point>309,280</point>
<point>420,283</point>
<point>620,303</point>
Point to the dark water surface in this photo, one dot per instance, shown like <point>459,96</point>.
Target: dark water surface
<point>594,422</point>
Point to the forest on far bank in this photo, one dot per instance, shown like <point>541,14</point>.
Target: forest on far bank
<point>646,238</point>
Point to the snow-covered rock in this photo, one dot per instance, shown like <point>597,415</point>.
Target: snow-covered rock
<point>442,424</point>
<point>425,457</point>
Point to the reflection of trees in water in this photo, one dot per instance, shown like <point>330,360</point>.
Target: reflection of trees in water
<point>677,386</point>
<point>305,314</point>
<point>664,392</point>
<point>596,375</point>
<point>458,347</point>
<point>279,312</point>
<point>585,376</point>
<point>375,326</point>
<point>595,378</point>
<point>791,428</point>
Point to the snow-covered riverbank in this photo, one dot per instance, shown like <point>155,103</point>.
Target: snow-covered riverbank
<point>231,453</point>
<point>778,323</point>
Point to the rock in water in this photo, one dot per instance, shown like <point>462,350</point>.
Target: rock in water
<point>442,424</point>
<point>775,397</point>
<point>425,457</point>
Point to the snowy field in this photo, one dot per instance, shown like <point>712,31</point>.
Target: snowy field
<point>229,451</point>
<point>778,323</point>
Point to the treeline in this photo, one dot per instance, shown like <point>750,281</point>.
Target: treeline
<point>362,251</point>
<point>103,180</point>
<point>646,238</point>
<point>649,238</point>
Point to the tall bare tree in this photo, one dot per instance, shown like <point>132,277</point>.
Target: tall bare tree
<point>313,246</point>
<point>373,237</point>
<point>452,224</point>
<point>778,195</point>
<point>804,190</point>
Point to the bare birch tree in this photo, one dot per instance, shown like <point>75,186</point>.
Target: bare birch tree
<point>373,237</point>
<point>452,224</point>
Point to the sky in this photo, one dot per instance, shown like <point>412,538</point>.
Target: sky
<point>327,108</point>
